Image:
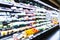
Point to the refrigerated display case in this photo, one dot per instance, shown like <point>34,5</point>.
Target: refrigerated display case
<point>25,21</point>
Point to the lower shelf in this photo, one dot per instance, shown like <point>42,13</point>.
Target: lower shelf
<point>38,36</point>
<point>44,35</point>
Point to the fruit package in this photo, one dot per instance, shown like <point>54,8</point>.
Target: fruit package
<point>4,33</point>
<point>31,31</point>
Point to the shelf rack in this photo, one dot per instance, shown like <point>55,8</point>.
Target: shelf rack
<point>46,4</point>
<point>29,19</point>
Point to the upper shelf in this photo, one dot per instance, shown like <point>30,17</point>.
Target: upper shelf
<point>8,4</point>
<point>46,5</point>
<point>21,6</point>
<point>5,10</point>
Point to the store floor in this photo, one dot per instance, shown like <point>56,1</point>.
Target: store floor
<point>54,36</point>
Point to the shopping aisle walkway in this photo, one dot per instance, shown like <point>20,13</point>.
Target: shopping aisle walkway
<point>54,36</point>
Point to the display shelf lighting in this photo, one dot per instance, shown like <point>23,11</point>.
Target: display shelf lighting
<point>46,4</point>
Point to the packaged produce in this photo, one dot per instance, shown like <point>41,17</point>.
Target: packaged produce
<point>41,28</point>
<point>35,30</point>
<point>31,31</point>
<point>10,31</point>
<point>55,20</point>
<point>3,33</point>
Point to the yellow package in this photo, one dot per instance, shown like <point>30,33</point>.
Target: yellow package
<point>55,21</point>
<point>29,32</point>
<point>4,33</point>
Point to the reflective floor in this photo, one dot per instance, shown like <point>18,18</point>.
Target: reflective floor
<point>54,36</point>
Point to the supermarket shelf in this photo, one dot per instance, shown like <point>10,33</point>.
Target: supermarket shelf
<point>16,12</point>
<point>41,14</point>
<point>30,18</point>
<point>40,17</point>
<point>9,4</point>
<point>46,5</point>
<point>32,38</point>
<point>27,22</point>
<point>8,37</point>
<point>40,33</point>
<point>9,10</point>
<point>44,31</point>
<point>41,20</point>
<point>21,6</point>
<point>20,25</point>
<point>39,24</point>
<point>6,10</point>
<point>18,30</point>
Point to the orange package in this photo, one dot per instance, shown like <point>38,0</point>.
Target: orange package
<point>31,31</point>
<point>35,30</point>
